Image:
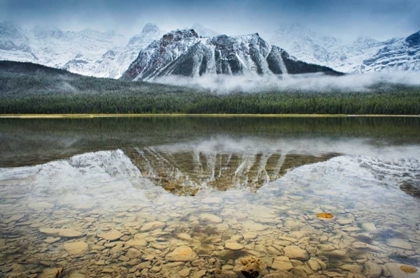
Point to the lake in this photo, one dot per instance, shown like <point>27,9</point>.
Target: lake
<point>210,197</point>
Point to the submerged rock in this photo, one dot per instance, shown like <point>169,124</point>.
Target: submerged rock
<point>182,254</point>
<point>232,245</point>
<point>51,240</point>
<point>78,248</point>
<point>225,274</point>
<point>295,252</point>
<point>396,271</point>
<point>399,243</point>
<point>325,215</point>
<point>280,274</point>
<point>282,263</point>
<point>252,267</point>
<point>373,270</point>
<point>408,269</point>
<point>207,217</point>
<point>40,205</point>
<point>67,233</point>
<point>51,273</point>
<point>152,226</point>
<point>112,235</point>
<point>369,227</point>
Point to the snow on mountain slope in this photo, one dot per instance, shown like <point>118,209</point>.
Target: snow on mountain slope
<point>183,52</point>
<point>72,51</point>
<point>396,55</point>
<point>115,61</point>
<point>101,54</point>
<point>313,47</point>
<point>203,30</point>
<point>14,45</point>
<point>87,52</point>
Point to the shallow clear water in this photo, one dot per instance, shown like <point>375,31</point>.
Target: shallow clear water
<point>200,197</point>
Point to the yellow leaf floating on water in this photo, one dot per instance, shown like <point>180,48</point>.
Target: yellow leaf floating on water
<point>408,269</point>
<point>325,215</point>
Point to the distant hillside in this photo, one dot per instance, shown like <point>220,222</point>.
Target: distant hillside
<point>32,69</point>
<point>20,79</point>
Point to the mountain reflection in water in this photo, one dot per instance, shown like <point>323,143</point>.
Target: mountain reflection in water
<point>220,163</point>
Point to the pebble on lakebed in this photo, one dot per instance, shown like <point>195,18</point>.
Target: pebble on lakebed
<point>325,215</point>
<point>408,269</point>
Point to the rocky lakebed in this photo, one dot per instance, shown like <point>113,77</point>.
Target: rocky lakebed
<point>102,214</point>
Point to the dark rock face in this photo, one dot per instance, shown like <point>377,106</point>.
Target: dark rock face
<point>411,188</point>
<point>183,52</point>
<point>413,40</point>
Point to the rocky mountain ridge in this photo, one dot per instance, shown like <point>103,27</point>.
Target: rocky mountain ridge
<point>185,53</point>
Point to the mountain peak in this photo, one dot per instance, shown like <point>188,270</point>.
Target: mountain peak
<point>9,24</point>
<point>204,31</point>
<point>150,28</point>
<point>413,39</point>
<point>178,35</point>
<point>45,32</point>
<point>8,28</point>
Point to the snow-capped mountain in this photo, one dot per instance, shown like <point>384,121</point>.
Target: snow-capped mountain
<point>184,52</point>
<point>87,52</point>
<point>72,51</point>
<point>14,45</point>
<point>107,54</point>
<point>397,54</point>
<point>312,47</point>
<point>115,61</point>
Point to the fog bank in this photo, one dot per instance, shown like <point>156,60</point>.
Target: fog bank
<point>305,82</point>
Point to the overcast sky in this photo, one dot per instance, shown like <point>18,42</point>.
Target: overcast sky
<point>348,19</point>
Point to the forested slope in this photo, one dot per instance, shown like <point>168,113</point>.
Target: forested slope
<point>27,88</point>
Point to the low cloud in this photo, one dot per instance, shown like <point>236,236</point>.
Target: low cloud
<point>306,82</point>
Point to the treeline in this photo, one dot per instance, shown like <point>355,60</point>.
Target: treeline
<point>207,103</point>
<point>28,88</point>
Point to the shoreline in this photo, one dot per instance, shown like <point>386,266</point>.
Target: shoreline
<point>91,116</point>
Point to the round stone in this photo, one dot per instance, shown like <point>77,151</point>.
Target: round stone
<point>182,254</point>
<point>207,217</point>
<point>110,236</point>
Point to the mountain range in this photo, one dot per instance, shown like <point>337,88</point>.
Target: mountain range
<point>362,55</point>
<point>87,52</point>
<point>151,53</point>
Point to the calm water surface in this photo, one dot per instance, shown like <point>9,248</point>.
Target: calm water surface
<point>210,197</point>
